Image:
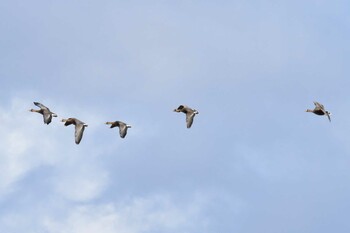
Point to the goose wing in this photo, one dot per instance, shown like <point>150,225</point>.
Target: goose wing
<point>122,129</point>
<point>47,116</point>
<point>328,115</point>
<point>41,105</point>
<point>79,130</point>
<point>318,105</point>
<point>45,111</point>
<point>189,118</point>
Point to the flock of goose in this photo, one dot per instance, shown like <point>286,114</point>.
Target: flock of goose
<point>123,127</point>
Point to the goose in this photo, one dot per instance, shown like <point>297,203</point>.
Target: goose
<point>123,127</point>
<point>79,128</point>
<point>190,113</point>
<point>45,111</point>
<point>319,110</point>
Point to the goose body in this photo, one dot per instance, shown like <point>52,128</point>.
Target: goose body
<point>45,111</point>
<point>190,113</point>
<point>123,127</point>
<point>319,110</point>
<point>79,128</point>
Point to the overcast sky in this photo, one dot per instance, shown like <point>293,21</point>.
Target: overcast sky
<point>253,161</point>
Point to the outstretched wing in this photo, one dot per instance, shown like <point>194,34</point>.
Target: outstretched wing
<point>41,105</point>
<point>79,130</point>
<point>189,118</point>
<point>318,105</point>
<point>329,116</point>
<point>122,130</point>
<point>47,116</point>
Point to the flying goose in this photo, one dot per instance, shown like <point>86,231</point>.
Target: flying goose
<point>45,111</point>
<point>123,127</point>
<point>319,110</point>
<point>79,127</point>
<point>190,113</point>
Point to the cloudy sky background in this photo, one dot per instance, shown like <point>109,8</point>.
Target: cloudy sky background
<point>253,160</point>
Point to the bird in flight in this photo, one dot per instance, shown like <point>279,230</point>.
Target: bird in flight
<point>123,127</point>
<point>45,111</point>
<point>319,110</point>
<point>79,128</point>
<point>190,113</point>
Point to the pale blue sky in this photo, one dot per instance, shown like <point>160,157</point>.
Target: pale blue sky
<point>253,160</point>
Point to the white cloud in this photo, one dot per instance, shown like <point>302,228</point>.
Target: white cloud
<point>26,143</point>
<point>81,184</point>
<point>23,146</point>
<point>152,214</point>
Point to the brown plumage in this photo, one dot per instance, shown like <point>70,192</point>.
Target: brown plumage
<point>45,111</point>
<point>79,128</point>
<point>319,110</point>
<point>123,127</point>
<point>190,113</point>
